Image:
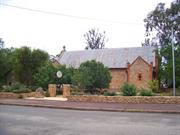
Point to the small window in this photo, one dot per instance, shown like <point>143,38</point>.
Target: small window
<point>139,77</point>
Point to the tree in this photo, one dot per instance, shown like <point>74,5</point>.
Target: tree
<point>92,75</point>
<point>39,58</point>
<point>6,64</point>
<point>158,25</point>
<point>166,65</point>
<point>95,39</point>
<point>47,74</point>
<point>22,66</point>
<point>1,43</point>
<point>27,62</point>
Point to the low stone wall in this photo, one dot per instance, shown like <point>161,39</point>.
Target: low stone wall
<point>127,99</point>
<point>20,95</point>
<point>8,95</point>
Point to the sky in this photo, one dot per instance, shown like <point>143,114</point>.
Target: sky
<point>121,19</point>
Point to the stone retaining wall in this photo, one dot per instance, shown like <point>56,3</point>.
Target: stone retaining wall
<point>127,99</point>
<point>23,95</point>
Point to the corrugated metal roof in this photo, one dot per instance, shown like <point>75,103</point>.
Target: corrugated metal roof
<point>111,58</point>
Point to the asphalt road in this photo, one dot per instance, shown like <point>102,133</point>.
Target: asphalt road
<point>18,120</point>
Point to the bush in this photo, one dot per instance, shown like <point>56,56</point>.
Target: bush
<point>47,94</point>
<point>110,94</point>
<point>92,76</point>
<point>128,89</point>
<point>22,91</point>
<point>146,92</point>
<point>33,88</point>
<point>154,85</point>
<point>17,88</point>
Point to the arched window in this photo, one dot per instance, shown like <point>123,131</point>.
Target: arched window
<point>139,76</point>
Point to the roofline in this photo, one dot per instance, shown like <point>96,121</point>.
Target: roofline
<point>109,49</point>
<point>139,57</point>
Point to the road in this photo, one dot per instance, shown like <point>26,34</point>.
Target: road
<point>18,120</point>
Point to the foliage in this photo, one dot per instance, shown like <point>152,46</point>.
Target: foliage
<point>39,58</point>
<point>1,43</point>
<point>30,67</point>
<point>166,66</point>
<point>92,75</point>
<point>67,74</point>
<point>146,92</point>
<point>22,65</point>
<point>159,24</point>
<point>154,85</point>
<point>47,94</point>
<point>27,63</point>
<point>33,87</point>
<point>128,89</point>
<point>17,88</point>
<point>76,91</point>
<point>47,74</point>
<point>6,64</point>
<point>95,39</point>
<point>160,21</point>
<point>110,94</point>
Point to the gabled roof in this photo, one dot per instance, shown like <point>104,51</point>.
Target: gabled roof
<point>139,58</point>
<point>111,58</point>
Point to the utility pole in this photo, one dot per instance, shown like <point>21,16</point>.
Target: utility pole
<point>173,59</point>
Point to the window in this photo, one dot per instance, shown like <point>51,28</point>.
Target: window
<point>139,77</point>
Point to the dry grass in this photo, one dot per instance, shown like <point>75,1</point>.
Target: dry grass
<point>168,92</point>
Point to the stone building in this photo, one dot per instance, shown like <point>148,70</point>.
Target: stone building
<point>136,65</point>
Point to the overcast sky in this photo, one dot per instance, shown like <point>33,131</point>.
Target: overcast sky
<point>121,19</point>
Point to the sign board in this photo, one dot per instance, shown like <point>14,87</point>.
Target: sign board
<point>59,74</point>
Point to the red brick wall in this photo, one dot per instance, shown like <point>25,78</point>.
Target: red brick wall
<point>119,76</point>
<point>140,67</point>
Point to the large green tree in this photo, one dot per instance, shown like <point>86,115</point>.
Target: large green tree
<point>92,75</point>
<point>6,64</point>
<point>159,24</point>
<point>27,62</point>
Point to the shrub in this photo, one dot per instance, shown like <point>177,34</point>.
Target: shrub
<point>92,76</point>
<point>47,94</point>
<point>33,88</point>
<point>128,89</point>
<point>17,88</point>
<point>110,94</point>
<point>154,85</point>
<point>146,92</point>
<point>22,91</point>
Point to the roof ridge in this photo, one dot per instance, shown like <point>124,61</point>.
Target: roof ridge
<point>111,49</point>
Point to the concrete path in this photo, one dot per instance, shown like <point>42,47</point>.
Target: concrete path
<point>59,98</point>
<point>157,108</point>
